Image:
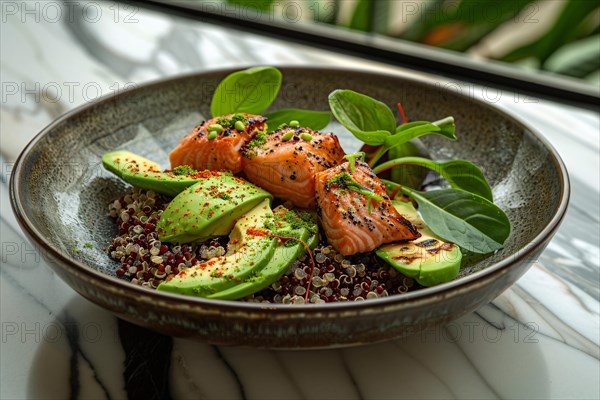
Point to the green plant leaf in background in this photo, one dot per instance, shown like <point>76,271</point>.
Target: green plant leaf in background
<point>260,5</point>
<point>325,11</point>
<point>460,25</point>
<point>369,120</point>
<point>314,120</point>
<point>578,59</point>
<point>566,28</point>
<point>251,91</point>
<point>362,17</point>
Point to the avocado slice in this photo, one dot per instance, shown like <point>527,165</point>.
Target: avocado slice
<point>283,257</point>
<point>146,174</point>
<point>248,252</point>
<point>208,208</point>
<point>429,260</point>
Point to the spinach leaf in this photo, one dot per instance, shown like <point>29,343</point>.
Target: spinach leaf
<point>468,220</point>
<point>460,174</point>
<point>465,175</point>
<point>412,130</point>
<point>314,120</point>
<point>369,120</point>
<point>251,91</point>
<point>409,175</point>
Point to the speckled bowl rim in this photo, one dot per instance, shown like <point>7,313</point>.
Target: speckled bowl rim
<point>78,267</point>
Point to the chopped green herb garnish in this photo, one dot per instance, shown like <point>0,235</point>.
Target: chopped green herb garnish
<point>301,219</point>
<point>346,181</point>
<point>259,140</point>
<point>184,170</point>
<point>352,159</point>
<point>225,196</point>
<point>229,123</point>
<point>88,246</point>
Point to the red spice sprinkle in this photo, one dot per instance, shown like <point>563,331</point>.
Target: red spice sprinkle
<point>257,232</point>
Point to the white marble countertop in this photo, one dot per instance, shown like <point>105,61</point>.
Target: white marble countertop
<point>539,339</point>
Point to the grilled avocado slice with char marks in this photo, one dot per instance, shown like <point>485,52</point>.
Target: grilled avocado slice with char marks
<point>429,260</point>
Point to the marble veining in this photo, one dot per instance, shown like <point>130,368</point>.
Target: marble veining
<point>539,339</point>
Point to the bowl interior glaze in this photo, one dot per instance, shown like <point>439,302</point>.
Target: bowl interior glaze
<point>60,191</point>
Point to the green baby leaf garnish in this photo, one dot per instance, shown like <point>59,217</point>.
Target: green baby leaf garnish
<point>409,175</point>
<point>251,91</point>
<point>460,174</point>
<point>369,120</point>
<point>411,130</point>
<point>468,220</point>
<point>314,120</point>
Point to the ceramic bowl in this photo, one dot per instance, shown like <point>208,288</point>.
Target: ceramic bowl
<point>60,193</point>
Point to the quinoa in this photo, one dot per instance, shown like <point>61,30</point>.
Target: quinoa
<point>335,278</point>
<point>146,261</point>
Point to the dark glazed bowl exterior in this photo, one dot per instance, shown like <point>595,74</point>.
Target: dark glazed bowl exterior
<point>59,193</point>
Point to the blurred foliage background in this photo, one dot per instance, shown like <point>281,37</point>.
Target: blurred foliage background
<point>560,36</point>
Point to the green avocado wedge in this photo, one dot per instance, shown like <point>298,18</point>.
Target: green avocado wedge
<point>289,224</point>
<point>249,251</point>
<point>429,260</point>
<point>146,174</point>
<point>209,208</point>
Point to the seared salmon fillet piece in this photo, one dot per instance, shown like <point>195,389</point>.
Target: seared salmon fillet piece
<point>355,211</point>
<point>216,144</point>
<point>285,162</point>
